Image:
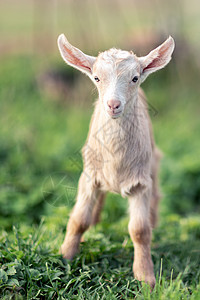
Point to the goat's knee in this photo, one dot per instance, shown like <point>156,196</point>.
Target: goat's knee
<point>140,232</point>
<point>78,224</point>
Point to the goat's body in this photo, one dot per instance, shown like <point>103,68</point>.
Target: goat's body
<point>120,155</point>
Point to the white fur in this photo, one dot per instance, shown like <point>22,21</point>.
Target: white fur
<point>120,153</point>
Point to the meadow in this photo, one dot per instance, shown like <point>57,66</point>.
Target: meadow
<point>45,110</point>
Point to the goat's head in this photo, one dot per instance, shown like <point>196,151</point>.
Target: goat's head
<point>116,73</point>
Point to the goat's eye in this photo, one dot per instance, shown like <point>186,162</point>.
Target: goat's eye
<point>96,79</point>
<point>135,79</point>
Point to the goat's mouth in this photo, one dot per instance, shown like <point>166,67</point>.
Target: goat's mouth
<point>114,115</point>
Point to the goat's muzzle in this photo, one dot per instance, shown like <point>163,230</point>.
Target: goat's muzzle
<point>114,108</point>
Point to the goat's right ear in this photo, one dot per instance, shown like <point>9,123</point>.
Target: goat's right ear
<point>75,57</point>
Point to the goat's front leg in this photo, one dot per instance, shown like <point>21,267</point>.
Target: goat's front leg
<point>140,232</point>
<point>80,218</point>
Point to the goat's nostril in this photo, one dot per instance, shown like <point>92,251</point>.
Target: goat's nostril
<point>114,104</point>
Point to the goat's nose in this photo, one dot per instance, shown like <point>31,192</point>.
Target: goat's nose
<point>114,104</point>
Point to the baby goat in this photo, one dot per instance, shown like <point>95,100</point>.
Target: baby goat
<point>120,155</point>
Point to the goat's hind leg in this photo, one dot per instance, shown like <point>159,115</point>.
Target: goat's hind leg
<point>80,218</point>
<point>98,208</point>
<point>155,198</point>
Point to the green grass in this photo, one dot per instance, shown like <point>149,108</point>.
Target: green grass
<point>40,140</point>
<point>32,267</point>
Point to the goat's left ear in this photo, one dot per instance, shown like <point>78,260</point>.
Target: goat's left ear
<point>75,57</point>
<point>157,58</point>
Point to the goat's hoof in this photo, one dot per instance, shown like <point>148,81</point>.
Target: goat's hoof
<point>68,253</point>
<point>150,280</point>
<point>145,276</point>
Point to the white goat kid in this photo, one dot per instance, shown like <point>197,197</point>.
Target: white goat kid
<point>120,154</point>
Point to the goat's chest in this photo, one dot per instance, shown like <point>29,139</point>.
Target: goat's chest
<point>111,155</point>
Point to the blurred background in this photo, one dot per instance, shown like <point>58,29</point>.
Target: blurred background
<point>45,106</point>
